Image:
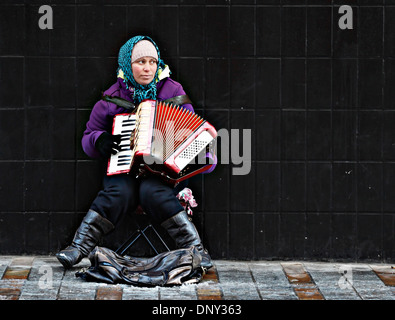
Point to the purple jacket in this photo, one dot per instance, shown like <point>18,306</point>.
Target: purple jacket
<point>103,112</point>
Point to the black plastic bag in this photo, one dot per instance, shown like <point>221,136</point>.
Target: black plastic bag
<point>165,269</point>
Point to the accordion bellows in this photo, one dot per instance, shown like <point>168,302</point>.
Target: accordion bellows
<point>167,139</point>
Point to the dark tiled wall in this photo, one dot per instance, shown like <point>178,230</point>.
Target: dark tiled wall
<point>319,101</point>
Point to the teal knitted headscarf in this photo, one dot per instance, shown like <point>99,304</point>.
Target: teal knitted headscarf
<point>141,92</point>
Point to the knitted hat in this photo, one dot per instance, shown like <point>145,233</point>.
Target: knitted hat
<point>144,48</point>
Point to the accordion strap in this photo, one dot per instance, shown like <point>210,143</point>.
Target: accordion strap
<point>120,102</point>
<point>179,100</point>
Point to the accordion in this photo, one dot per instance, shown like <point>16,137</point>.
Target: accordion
<point>162,139</point>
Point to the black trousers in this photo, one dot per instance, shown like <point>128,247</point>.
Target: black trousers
<point>121,194</point>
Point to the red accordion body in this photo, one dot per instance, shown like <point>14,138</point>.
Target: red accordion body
<point>168,140</point>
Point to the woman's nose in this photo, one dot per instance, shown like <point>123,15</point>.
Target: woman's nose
<point>146,66</point>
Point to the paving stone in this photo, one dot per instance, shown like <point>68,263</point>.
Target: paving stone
<point>271,282</point>
<point>10,289</point>
<point>183,292</point>
<point>24,261</point>
<point>331,283</point>
<point>16,273</point>
<point>70,291</point>
<point>109,292</point>
<point>140,293</point>
<point>385,273</point>
<point>35,290</point>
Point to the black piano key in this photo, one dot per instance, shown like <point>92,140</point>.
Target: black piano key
<point>124,157</point>
<point>122,163</point>
<point>127,120</point>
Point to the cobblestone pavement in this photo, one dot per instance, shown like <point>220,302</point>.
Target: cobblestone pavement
<point>43,278</point>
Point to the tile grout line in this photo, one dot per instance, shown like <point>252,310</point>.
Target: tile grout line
<point>255,284</point>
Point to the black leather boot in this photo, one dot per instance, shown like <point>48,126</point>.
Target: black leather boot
<point>184,233</point>
<point>93,227</point>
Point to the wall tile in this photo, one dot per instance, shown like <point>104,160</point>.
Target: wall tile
<point>217,43</point>
<point>242,35</point>
<point>267,83</point>
<point>318,236</point>
<point>88,183</point>
<point>389,34</point>
<point>370,135</point>
<point>62,36</point>
<point>293,187</point>
<point>38,127</point>
<point>370,32</point>
<point>89,30</point>
<point>37,81</point>
<point>388,187</point>
<point>318,132</point>
<point>37,232</point>
<point>217,242</point>
<point>369,187</point>
<point>12,135</point>
<point>292,235</point>
<point>11,78</point>
<point>319,187</point>
<point>192,21</point>
<point>319,83</point>
<point>344,231</point>
<point>13,17</point>
<point>217,85</point>
<point>319,24</point>
<point>389,94</point>
<point>344,83</point>
<point>62,93</point>
<point>268,31</point>
<point>344,197</point>
<point>293,135</point>
<point>293,31</point>
<point>12,187</point>
<point>369,243</point>
<point>241,235</point>
<point>388,135</point>
<point>243,86</point>
<point>12,226</point>
<point>268,186</point>
<point>266,235</point>
<point>344,135</point>
<point>293,83</point>
<point>268,135</point>
<point>140,20</point>
<point>167,18</point>
<point>370,83</point>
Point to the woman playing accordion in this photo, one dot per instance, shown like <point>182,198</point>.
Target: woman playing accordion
<point>141,75</point>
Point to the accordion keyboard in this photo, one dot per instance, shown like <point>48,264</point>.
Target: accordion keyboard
<point>123,125</point>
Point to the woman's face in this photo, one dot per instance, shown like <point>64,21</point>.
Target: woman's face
<point>144,70</point>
